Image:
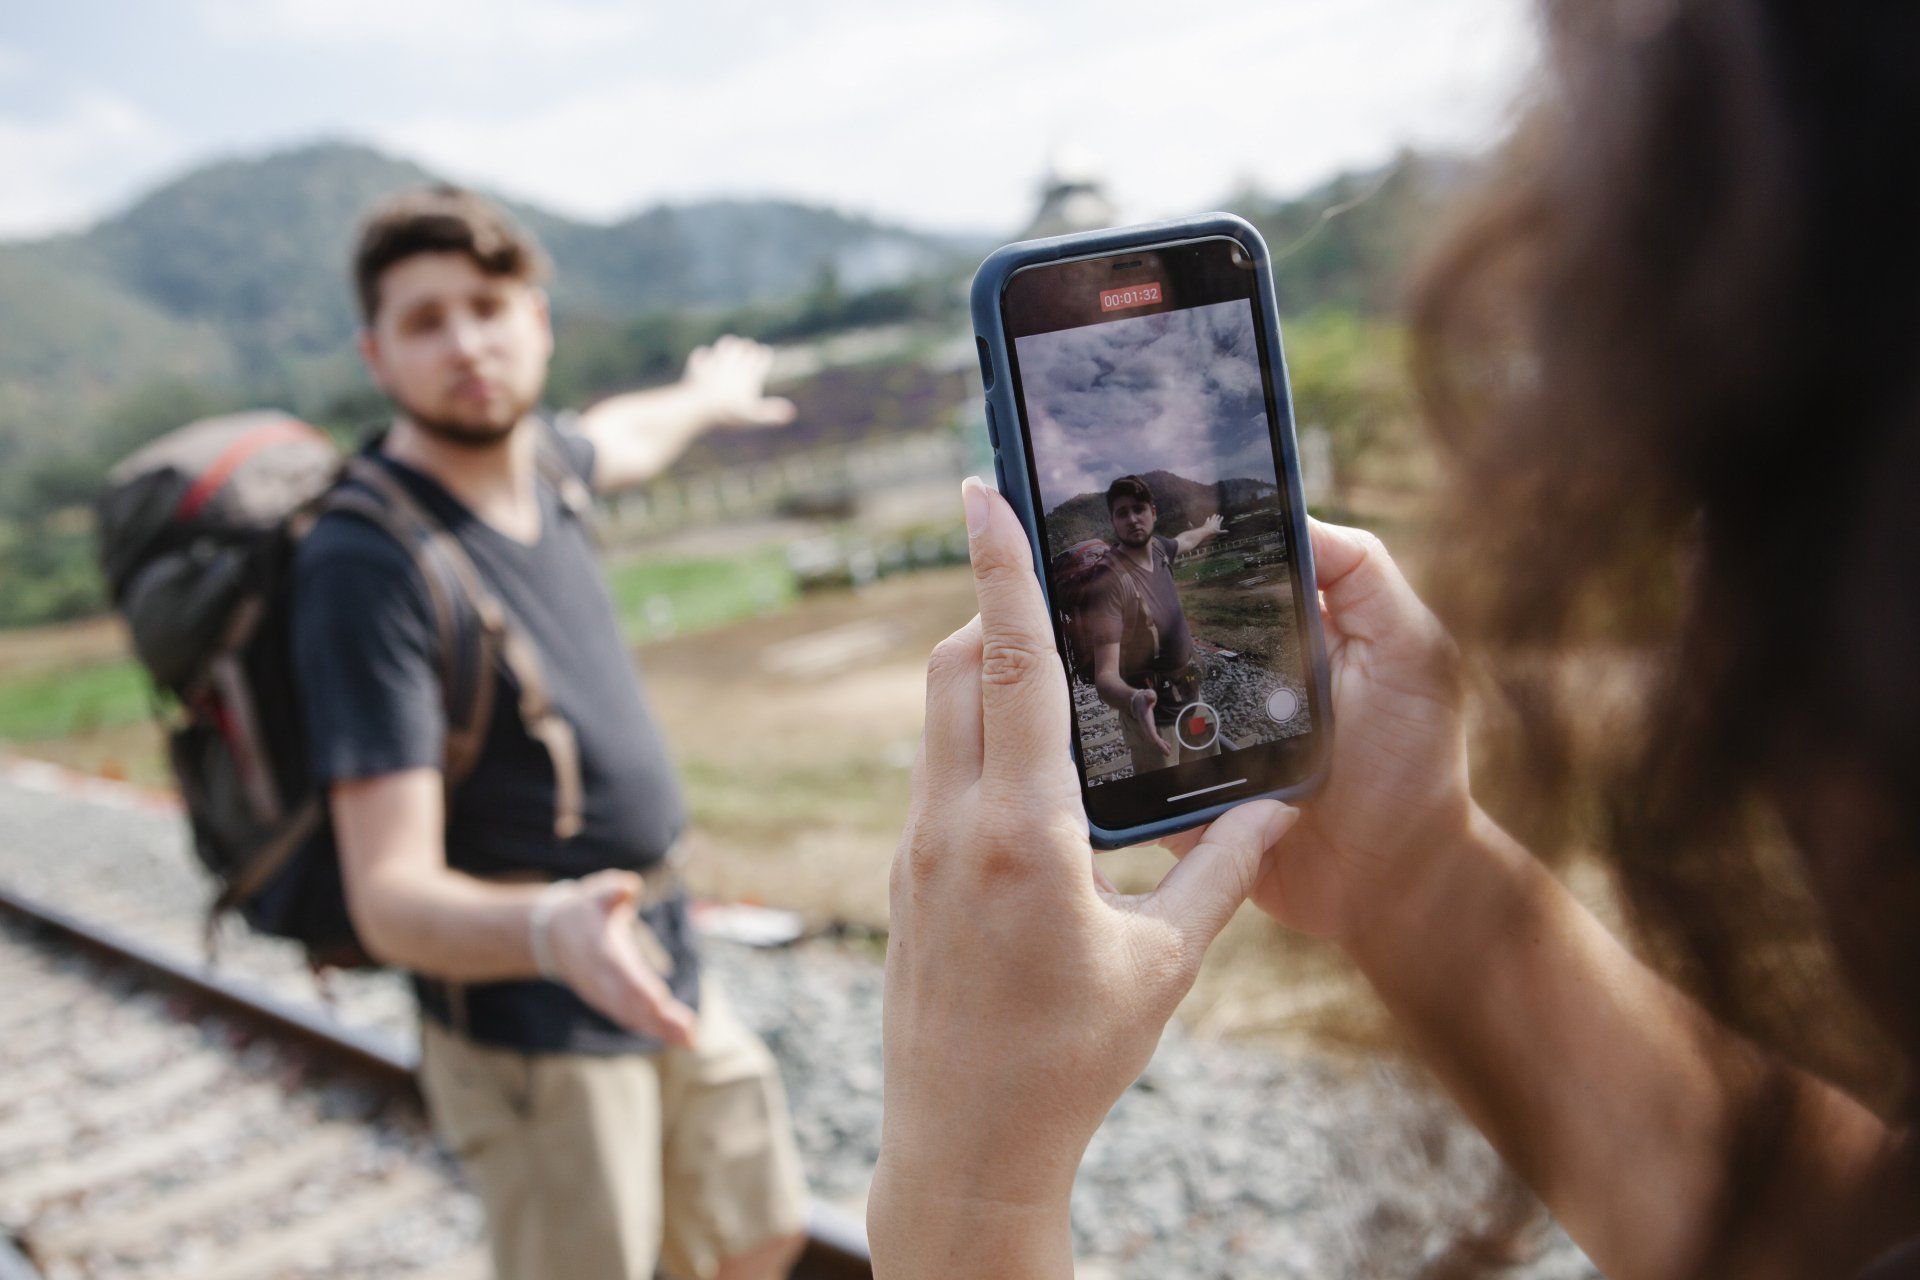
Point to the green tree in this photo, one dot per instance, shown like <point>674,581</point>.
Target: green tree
<point>1349,375</point>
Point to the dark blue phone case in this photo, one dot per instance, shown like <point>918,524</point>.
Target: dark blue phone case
<point>1010,453</point>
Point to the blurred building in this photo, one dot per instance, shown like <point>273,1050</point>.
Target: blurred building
<point>1073,197</point>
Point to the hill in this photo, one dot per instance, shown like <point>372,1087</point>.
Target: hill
<point>237,273</point>
<point>1350,242</point>
<point>233,278</point>
<point>1181,504</point>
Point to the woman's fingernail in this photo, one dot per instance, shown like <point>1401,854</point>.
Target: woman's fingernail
<point>1279,822</point>
<point>973,496</point>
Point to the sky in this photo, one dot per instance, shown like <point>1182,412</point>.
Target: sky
<point>1179,391</point>
<point>941,116</point>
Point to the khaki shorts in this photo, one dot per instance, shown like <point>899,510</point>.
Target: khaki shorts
<point>596,1167</point>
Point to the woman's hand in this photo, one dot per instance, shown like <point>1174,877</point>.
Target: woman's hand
<point>1395,803</point>
<point>1023,994</point>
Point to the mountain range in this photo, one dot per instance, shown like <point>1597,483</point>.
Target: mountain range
<point>236,274</point>
<point>228,285</point>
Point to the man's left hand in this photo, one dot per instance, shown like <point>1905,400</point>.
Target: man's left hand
<point>729,382</point>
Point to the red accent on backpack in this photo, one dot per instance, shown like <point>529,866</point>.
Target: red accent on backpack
<point>215,477</point>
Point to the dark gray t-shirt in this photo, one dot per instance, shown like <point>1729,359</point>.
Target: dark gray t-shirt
<point>1110,619</point>
<point>366,660</point>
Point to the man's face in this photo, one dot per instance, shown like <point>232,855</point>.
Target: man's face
<point>1132,521</point>
<point>462,353</point>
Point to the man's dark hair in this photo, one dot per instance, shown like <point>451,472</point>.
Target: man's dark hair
<point>441,219</point>
<point>1128,487</point>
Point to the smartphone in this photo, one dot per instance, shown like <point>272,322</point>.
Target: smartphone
<point>1137,404</point>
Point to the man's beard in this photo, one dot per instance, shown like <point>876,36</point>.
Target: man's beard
<point>1134,540</point>
<point>465,435</point>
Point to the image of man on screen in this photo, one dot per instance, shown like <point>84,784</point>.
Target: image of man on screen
<point>1143,652</point>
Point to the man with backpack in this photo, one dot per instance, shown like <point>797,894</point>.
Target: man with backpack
<point>505,823</point>
<point>1134,631</point>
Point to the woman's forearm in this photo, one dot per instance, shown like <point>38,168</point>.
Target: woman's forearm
<point>922,1229</point>
<point>1614,1096</point>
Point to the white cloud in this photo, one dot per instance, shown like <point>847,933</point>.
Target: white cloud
<point>820,116</point>
<point>87,151</point>
<point>945,117</point>
<point>430,29</point>
<point>938,115</point>
<point>1179,391</point>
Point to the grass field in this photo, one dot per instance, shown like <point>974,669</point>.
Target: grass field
<point>66,702</point>
<point>657,598</point>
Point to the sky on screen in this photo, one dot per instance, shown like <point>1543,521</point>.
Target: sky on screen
<point>943,116</point>
<point>1178,391</point>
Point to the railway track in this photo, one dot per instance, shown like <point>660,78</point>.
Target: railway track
<point>159,1118</point>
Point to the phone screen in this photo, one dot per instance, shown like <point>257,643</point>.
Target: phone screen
<point>1154,444</point>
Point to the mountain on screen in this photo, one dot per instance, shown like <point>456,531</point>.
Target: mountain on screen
<point>1181,503</point>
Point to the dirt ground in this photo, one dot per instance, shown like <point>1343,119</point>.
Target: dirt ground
<point>70,644</point>
<point>796,735</point>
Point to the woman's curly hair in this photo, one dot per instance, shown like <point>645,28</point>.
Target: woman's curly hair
<point>1672,354</point>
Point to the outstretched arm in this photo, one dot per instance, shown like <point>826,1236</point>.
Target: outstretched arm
<point>1615,1097</point>
<point>1201,534</point>
<point>637,435</point>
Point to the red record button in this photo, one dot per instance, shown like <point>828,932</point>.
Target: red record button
<point>1198,726</point>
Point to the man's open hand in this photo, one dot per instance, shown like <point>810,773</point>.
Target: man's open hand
<point>591,935</point>
<point>729,381</point>
<point>1144,701</point>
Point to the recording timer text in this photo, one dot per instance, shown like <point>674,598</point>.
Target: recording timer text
<point>1134,295</point>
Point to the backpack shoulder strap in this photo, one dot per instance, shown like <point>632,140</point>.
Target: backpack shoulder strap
<point>1132,600</point>
<point>1114,563</point>
<point>455,585</point>
<point>468,644</point>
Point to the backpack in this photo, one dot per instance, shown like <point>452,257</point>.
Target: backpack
<point>197,534</point>
<point>1078,573</point>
